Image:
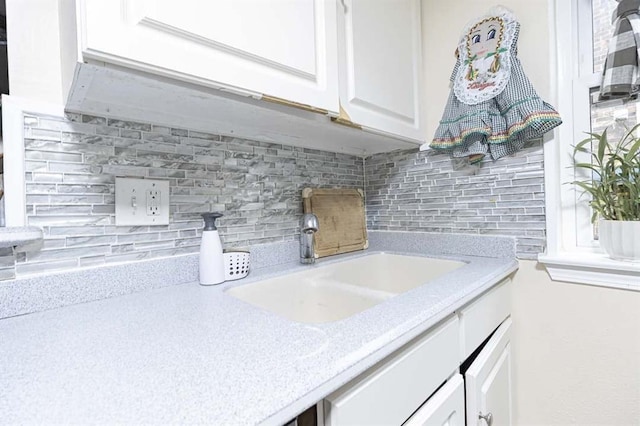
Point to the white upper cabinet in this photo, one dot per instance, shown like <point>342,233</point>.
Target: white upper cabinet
<point>380,65</point>
<point>164,61</point>
<point>285,48</point>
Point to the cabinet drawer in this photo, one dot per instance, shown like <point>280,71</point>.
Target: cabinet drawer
<point>482,316</point>
<point>446,407</point>
<point>390,392</point>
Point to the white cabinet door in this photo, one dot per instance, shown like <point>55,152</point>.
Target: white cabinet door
<point>283,48</point>
<point>488,382</point>
<point>445,408</point>
<point>391,391</point>
<point>380,65</point>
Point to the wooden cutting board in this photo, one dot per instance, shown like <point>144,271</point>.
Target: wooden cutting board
<point>341,218</point>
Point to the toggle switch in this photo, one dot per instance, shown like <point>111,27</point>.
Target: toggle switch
<point>142,202</point>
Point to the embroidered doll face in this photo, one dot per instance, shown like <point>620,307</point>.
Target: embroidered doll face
<point>484,37</point>
<point>483,47</point>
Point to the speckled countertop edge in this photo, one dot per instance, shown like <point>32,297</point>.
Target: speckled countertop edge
<point>362,340</point>
<point>443,244</point>
<point>19,236</point>
<point>40,292</point>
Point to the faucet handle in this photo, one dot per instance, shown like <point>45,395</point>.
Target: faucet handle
<point>309,223</point>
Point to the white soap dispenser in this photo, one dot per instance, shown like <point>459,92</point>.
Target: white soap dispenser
<point>211,258</point>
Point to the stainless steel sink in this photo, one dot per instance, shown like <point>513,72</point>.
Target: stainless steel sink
<point>339,290</point>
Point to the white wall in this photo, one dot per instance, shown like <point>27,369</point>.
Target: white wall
<point>576,352</point>
<point>576,348</point>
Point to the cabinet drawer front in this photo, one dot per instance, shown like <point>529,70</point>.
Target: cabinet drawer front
<point>482,316</point>
<point>391,391</point>
<point>446,407</point>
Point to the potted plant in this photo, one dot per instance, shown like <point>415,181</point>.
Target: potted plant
<point>614,187</point>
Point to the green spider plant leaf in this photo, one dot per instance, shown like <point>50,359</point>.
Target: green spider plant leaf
<point>614,184</point>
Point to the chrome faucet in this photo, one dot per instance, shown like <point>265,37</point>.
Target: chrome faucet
<point>308,227</point>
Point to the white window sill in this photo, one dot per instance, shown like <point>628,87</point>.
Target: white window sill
<point>593,269</point>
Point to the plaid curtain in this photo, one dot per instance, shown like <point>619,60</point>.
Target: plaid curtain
<point>620,77</point>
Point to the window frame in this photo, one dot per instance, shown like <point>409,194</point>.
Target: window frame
<point>572,255</point>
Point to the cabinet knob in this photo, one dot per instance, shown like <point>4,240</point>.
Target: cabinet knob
<point>486,417</point>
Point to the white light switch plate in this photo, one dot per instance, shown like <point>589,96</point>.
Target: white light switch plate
<point>142,202</point>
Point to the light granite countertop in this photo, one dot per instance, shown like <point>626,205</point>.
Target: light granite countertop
<point>193,354</point>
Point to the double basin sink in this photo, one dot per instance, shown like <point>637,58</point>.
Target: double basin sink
<point>336,291</point>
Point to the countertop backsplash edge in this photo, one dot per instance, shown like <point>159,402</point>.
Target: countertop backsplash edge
<point>37,293</point>
<point>443,244</point>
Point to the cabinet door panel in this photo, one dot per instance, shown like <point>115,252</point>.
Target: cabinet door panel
<point>445,408</point>
<point>234,26</point>
<point>380,64</point>
<point>391,391</point>
<point>488,381</point>
<point>285,49</point>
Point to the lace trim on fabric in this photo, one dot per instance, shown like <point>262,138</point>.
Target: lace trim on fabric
<point>478,79</point>
<point>498,137</point>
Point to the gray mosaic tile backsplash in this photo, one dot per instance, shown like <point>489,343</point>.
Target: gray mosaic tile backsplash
<point>421,191</point>
<point>72,162</point>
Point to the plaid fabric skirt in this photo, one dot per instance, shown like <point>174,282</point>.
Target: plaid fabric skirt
<point>499,126</point>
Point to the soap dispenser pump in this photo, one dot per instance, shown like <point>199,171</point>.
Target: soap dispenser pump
<point>211,257</point>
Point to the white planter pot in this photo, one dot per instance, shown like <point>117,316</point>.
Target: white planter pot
<point>620,239</point>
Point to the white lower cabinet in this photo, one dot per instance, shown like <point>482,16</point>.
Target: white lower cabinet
<point>461,369</point>
<point>390,392</point>
<point>488,382</point>
<point>444,408</point>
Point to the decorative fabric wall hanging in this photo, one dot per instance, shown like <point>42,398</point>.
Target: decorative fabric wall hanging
<point>620,79</point>
<point>492,107</point>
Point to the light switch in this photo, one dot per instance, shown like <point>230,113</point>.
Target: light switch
<point>142,202</point>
